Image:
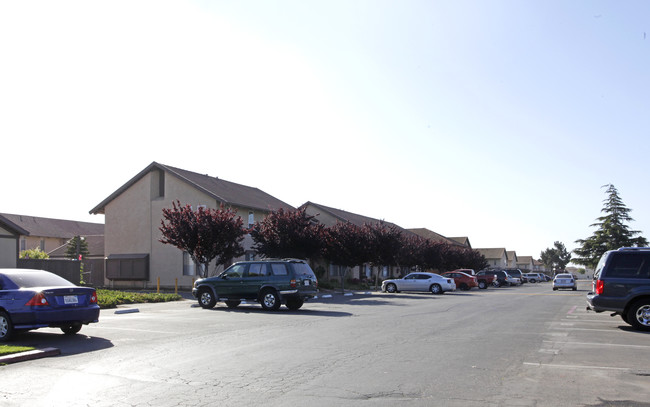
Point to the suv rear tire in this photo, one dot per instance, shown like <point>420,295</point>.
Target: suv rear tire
<point>638,315</point>
<point>294,303</point>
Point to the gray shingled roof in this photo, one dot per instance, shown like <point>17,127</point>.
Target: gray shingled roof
<point>226,192</point>
<point>356,219</point>
<point>47,227</point>
<point>436,237</point>
<point>464,240</point>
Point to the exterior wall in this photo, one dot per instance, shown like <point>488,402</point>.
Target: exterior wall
<point>8,249</point>
<point>35,242</point>
<point>133,219</point>
<point>166,260</point>
<point>500,263</point>
<point>525,263</point>
<point>324,218</point>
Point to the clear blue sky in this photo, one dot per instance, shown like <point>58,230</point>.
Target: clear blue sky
<point>496,120</point>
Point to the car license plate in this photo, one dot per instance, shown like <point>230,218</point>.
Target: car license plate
<point>70,299</point>
<point>307,282</point>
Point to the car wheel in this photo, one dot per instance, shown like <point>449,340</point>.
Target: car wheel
<point>638,315</point>
<point>575,288</point>
<point>482,285</point>
<point>6,327</point>
<point>71,329</point>
<point>496,283</point>
<point>554,288</point>
<point>233,304</point>
<point>436,289</point>
<point>294,303</point>
<point>206,298</point>
<point>391,288</point>
<point>270,300</point>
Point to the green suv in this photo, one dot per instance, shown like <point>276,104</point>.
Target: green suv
<point>271,282</point>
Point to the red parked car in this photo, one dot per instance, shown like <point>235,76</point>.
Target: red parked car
<point>463,281</point>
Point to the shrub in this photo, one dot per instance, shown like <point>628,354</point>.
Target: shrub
<point>111,298</point>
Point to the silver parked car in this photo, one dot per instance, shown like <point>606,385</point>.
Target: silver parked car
<point>420,281</point>
<point>564,281</point>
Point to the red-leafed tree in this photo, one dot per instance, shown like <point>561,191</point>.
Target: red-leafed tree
<point>288,233</point>
<point>205,234</point>
<point>346,244</point>
<point>413,249</point>
<point>385,244</point>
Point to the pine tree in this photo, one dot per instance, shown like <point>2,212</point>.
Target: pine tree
<point>613,231</point>
<point>76,246</point>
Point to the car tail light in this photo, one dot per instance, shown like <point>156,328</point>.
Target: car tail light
<point>293,284</point>
<point>37,301</point>
<point>599,287</point>
<point>93,298</point>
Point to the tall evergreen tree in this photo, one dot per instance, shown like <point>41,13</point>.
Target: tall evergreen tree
<point>613,231</point>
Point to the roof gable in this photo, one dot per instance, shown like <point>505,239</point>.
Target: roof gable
<point>493,253</point>
<point>226,192</point>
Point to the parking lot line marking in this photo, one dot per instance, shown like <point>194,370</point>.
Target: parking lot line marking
<point>620,345</point>
<point>572,310</point>
<point>586,329</point>
<point>132,329</point>
<point>621,369</point>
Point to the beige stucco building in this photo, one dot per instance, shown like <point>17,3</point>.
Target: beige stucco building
<point>496,257</point>
<point>49,234</point>
<point>135,257</point>
<point>9,237</point>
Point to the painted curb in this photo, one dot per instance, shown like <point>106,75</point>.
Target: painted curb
<point>30,355</point>
<point>127,311</point>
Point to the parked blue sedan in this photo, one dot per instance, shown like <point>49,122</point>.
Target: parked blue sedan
<point>32,299</point>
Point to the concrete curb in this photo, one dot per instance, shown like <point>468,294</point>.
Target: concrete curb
<point>29,355</point>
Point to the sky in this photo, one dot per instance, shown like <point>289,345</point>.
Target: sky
<point>496,120</point>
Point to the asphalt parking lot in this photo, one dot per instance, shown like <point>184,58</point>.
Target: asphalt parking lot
<point>519,346</point>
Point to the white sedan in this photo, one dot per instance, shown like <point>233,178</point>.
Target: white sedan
<point>564,281</point>
<point>435,283</point>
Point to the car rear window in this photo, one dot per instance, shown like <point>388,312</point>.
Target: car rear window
<point>38,279</point>
<point>629,265</point>
<point>303,270</point>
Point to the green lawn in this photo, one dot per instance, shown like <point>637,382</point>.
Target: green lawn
<point>9,349</point>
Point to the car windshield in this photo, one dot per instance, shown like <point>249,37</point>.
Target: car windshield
<point>564,276</point>
<point>38,279</point>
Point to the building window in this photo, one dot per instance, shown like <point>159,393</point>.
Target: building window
<point>189,267</point>
<point>42,245</point>
<point>23,244</point>
<point>251,219</point>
